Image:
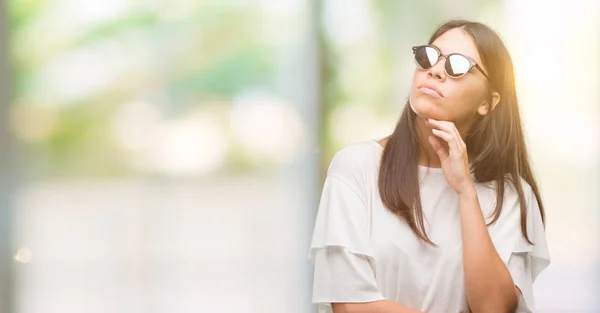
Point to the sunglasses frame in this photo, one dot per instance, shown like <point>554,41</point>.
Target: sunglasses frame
<point>472,63</point>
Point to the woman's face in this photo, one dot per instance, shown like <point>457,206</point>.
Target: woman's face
<point>457,99</point>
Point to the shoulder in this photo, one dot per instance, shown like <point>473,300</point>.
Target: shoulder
<point>510,189</point>
<point>511,204</point>
<point>354,159</point>
<point>357,165</point>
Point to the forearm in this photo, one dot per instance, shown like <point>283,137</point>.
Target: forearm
<point>488,284</point>
<point>382,306</point>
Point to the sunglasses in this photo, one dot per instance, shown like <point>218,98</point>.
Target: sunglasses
<point>457,65</point>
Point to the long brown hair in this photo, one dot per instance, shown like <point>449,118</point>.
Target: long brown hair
<point>495,144</point>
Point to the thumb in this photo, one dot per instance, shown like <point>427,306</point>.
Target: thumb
<point>437,147</point>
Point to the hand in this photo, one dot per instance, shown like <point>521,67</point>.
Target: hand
<point>454,159</point>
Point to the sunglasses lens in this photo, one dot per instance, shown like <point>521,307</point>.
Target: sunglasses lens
<point>457,65</point>
<point>426,57</point>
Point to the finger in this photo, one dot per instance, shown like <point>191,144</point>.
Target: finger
<point>451,142</point>
<point>438,148</point>
<point>459,139</point>
<point>445,126</point>
<point>450,128</point>
<point>459,143</point>
<point>442,125</point>
<point>447,137</point>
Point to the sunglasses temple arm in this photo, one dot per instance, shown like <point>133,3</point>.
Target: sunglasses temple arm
<point>482,71</point>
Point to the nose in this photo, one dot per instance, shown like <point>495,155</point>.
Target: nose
<point>437,70</point>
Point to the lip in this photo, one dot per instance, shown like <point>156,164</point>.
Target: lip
<point>431,90</point>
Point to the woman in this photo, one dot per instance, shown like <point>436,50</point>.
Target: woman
<point>443,215</point>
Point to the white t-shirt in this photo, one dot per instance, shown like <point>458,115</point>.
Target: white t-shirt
<point>362,252</point>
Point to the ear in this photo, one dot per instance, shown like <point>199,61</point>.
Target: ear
<point>484,108</point>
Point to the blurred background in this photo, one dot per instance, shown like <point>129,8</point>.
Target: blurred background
<point>168,156</point>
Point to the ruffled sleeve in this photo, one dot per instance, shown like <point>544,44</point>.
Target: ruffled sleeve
<point>340,247</point>
<point>525,261</point>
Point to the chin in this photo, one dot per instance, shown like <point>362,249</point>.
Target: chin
<point>425,109</point>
